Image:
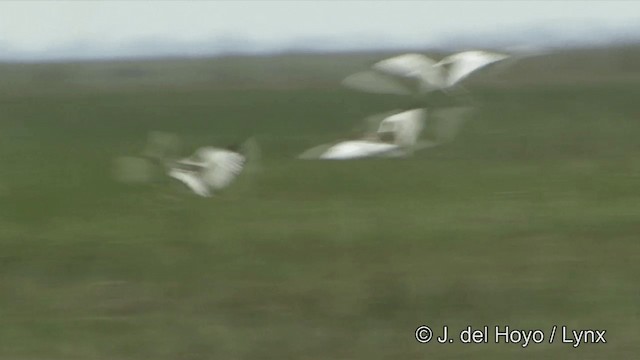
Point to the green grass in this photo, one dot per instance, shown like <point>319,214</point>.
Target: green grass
<point>529,219</point>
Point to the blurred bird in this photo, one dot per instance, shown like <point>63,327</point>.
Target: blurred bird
<point>395,134</point>
<point>206,172</point>
<point>416,74</point>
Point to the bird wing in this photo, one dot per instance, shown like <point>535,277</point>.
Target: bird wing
<point>191,180</point>
<point>406,126</point>
<point>222,168</point>
<point>413,66</point>
<point>463,64</point>
<point>406,65</point>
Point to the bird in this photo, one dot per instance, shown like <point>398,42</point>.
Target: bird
<point>208,170</point>
<point>396,134</point>
<point>417,74</point>
<point>373,143</point>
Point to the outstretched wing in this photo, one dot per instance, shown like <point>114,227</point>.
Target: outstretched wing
<point>406,126</point>
<point>222,167</point>
<point>413,66</point>
<point>191,180</point>
<point>463,64</point>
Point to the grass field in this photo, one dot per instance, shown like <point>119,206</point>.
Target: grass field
<point>530,218</point>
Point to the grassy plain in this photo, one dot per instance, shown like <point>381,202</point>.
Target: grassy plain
<point>530,218</point>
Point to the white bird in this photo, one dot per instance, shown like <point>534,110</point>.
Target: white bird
<point>208,170</point>
<point>396,135</point>
<point>417,74</point>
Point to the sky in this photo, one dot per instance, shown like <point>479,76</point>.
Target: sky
<point>38,26</point>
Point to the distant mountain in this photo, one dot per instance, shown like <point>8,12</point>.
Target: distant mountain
<point>549,35</point>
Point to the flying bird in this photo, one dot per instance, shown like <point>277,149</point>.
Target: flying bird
<point>396,134</point>
<point>415,74</point>
<point>391,137</point>
<point>208,170</point>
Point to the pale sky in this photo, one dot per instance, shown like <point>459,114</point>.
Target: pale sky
<point>41,25</point>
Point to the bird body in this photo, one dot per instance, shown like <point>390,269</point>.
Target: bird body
<point>208,170</point>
